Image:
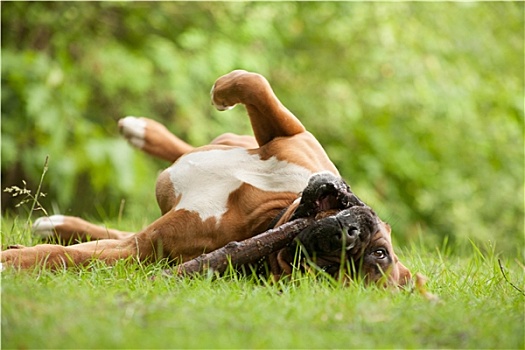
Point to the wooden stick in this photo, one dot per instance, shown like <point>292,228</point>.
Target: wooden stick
<point>247,251</point>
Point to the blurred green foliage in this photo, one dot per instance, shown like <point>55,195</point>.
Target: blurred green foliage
<point>420,105</point>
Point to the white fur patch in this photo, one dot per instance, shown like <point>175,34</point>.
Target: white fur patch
<point>45,226</point>
<point>134,130</point>
<point>205,179</point>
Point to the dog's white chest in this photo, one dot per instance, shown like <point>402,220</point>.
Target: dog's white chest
<point>204,180</point>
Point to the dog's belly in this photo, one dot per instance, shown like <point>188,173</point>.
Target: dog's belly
<point>203,180</point>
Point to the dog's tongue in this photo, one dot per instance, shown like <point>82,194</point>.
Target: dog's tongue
<point>326,213</point>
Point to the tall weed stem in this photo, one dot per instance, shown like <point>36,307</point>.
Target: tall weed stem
<point>37,194</point>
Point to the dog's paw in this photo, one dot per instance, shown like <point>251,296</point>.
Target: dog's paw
<point>218,103</point>
<point>221,103</point>
<point>237,87</point>
<point>46,226</point>
<point>134,130</point>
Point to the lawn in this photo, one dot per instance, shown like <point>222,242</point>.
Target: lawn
<point>134,306</point>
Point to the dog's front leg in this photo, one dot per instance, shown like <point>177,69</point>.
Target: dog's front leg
<point>56,256</point>
<point>268,116</point>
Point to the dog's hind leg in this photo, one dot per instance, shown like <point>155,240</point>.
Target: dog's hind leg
<point>71,230</point>
<point>153,138</point>
<point>268,116</point>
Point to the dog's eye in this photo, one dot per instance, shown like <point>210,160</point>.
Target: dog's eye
<point>379,253</point>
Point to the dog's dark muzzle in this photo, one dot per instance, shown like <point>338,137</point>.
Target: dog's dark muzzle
<point>343,225</point>
<point>348,231</point>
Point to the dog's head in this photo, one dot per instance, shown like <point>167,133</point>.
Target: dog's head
<point>345,233</point>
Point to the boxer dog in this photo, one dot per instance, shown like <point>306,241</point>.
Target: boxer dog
<point>233,189</point>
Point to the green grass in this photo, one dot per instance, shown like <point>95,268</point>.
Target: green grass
<point>134,306</point>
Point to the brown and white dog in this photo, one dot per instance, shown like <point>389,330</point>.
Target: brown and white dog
<point>230,190</point>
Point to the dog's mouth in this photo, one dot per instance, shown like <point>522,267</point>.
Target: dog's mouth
<point>342,224</point>
<point>324,195</point>
<point>328,202</point>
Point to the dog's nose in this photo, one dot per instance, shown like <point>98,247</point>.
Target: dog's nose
<point>349,237</point>
<point>357,224</point>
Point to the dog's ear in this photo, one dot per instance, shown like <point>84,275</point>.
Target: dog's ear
<point>404,274</point>
<point>400,274</point>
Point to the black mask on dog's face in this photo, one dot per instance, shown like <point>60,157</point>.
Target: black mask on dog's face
<point>344,230</point>
<point>349,230</point>
<point>332,240</point>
